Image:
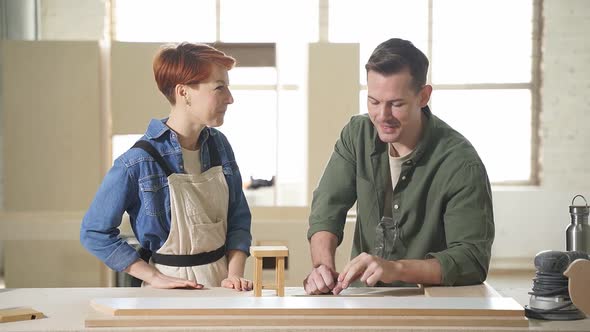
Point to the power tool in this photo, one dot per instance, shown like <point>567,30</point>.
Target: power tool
<point>550,298</point>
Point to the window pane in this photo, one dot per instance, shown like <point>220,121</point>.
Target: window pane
<point>292,62</point>
<point>165,21</point>
<point>371,22</point>
<point>496,122</point>
<point>122,143</point>
<point>363,101</point>
<point>250,126</point>
<point>491,42</point>
<point>269,20</point>
<point>292,161</point>
<point>253,76</point>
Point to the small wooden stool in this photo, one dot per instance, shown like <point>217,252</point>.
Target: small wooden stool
<point>279,253</point>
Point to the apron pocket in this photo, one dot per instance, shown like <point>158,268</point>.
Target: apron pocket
<point>208,237</point>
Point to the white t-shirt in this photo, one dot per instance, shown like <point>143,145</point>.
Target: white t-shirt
<point>192,161</point>
<point>395,166</point>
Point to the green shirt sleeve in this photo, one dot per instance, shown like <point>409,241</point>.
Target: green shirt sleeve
<point>469,228</point>
<point>336,192</point>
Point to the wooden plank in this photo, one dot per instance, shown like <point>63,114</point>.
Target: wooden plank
<point>98,320</point>
<point>269,251</point>
<point>21,313</point>
<point>481,290</point>
<point>280,276</point>
<point>257,276</point>
<point>333,305</point>
<point>578,274</point>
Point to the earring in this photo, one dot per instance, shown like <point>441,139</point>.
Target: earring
<point>187,100</point>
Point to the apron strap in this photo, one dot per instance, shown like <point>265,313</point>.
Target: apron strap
<point>147,147</point>
<point>189,260</point>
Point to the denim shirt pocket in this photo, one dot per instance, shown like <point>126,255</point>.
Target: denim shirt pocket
<point>155,196</point>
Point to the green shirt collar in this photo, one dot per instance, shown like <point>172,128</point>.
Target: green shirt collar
<point>381,147</point>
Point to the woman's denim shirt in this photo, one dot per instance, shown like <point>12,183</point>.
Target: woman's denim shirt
<point>136,184</point>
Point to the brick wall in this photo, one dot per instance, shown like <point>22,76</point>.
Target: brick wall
<point>565,119</point>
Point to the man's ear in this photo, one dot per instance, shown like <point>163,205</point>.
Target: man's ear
<point>425,95</point>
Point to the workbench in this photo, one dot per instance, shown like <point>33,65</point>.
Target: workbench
<point>68,308</point>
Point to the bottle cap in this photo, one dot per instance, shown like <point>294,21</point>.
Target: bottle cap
<point>579,209</point>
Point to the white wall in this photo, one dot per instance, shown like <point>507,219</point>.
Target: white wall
<point>534,219</point>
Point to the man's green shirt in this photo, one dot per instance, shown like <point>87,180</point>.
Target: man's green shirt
<point>442,201</point>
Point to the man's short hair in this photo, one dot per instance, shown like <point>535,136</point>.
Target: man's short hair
<point>395,55</point>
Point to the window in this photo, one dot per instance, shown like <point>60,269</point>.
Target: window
<point>267,121</point>
<point>483,67</point>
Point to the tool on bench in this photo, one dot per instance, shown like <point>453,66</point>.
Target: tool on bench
<point>559,273</point>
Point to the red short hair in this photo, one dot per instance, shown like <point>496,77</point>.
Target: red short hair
<point>186,63</point>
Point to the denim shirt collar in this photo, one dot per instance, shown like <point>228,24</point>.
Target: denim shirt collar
<point>158,127</point>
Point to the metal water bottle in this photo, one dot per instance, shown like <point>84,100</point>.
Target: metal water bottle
<point>577,234</point>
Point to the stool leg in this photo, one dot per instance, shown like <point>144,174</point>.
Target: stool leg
<point>280,276</point>
<point>257,276</point>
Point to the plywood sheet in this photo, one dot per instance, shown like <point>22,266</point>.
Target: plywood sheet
<point>481,290</point>
<point>337,306</point>
<point>101,320</point>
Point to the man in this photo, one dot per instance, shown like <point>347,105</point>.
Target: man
<point>424,205</point>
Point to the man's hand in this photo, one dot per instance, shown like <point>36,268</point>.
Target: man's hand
<point>369,269</point>
<point>321,280</point>
<point>237,283</point>
<point>160,280</point>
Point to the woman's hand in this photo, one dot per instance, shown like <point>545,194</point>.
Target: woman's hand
<point>154,278</point>
<point>237,283</point>
<point>160,280</point>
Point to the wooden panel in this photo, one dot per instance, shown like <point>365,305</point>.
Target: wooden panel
<point>98,320</point>
<point>269,251</point>
<point>482,290</point>
<point>334,305</point>
<point>50,263</point>
<point>51,112</point>
<point>333,97</point>
<point>250,54</point>
<point>16,314</point>
<point>135,98</point>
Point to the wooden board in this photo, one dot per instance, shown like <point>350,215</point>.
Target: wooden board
<point>481,290</point>
<point>16,314</point>
<point>578,274</point>
<point>334,305</point>
<point>101,320</point>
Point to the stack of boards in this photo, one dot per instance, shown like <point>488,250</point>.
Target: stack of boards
<point>307,311</point>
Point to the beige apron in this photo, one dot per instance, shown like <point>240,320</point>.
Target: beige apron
<point>198,224</point>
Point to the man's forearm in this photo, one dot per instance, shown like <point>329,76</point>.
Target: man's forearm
<point>323,249</point>
<point>415,271</point>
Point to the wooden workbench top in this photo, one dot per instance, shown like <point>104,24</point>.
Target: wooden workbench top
<point>67,308</point>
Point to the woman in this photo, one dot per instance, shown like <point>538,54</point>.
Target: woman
<point>180,185</point>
